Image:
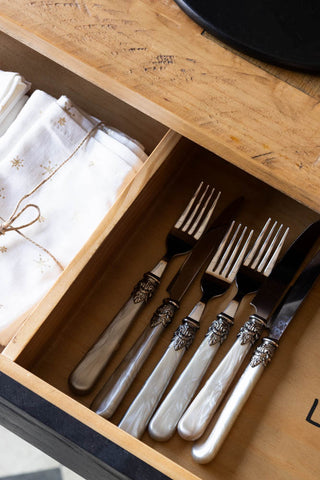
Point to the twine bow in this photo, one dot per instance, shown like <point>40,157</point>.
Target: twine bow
<point>7,225</point>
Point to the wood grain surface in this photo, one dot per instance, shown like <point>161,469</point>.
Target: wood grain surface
<point>150,54</point>
<point>271,436</point>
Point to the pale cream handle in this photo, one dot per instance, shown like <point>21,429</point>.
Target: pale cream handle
<point>201,410</point>
<point>166,418</point>
<point>205,451</point>
<point>87,372</point>
<point>140,411</point>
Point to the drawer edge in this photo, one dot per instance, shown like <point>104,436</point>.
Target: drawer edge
<point>59,426</point>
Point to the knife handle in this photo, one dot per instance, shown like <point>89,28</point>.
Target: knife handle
<point>140,411</point>
<point>166,418</point>
<point>110,396</point>
<point>204,452</point>
<point>87,372</point>
<point>195,420</point>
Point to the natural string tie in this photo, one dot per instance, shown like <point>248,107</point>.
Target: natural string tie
<point>7,225</point>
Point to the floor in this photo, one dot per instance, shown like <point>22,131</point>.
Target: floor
<point>21,461</point>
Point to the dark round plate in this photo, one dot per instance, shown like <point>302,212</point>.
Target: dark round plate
<point>285,33</point>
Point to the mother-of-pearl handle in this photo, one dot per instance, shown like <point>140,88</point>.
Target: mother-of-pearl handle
<point>140,411</point>
<point>205,451</point>
<point>112,393</point>
<point>163,424</point>
<point>196,419</point>
<point>138,415</point>
<point>87,372</point>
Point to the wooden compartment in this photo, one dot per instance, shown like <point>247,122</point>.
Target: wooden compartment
<point>272,436</point>
<point>273,421</point>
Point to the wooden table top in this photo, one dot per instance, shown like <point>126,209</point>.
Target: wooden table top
<point>264,119</point>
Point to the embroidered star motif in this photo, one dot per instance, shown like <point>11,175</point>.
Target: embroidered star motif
<point>48,168</point>
<point>62,121</point>
<point>43,263</point>
<point>3,249</point>
<point>17,162</point>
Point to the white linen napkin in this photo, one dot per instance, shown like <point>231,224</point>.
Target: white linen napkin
<point>72,203</point>
<point>12,89</point>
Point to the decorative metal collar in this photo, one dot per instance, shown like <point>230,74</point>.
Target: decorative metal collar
<point>219,329</point>
<point>264,352</point>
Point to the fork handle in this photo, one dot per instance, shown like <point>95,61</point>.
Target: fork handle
<point>166,418</point>
<point>89,369</point>
<point>140,411</point>
<point>110,396</point>
<point>204,452</point>
<point>196,419</point>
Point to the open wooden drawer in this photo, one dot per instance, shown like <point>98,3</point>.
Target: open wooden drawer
<point>272,436</point>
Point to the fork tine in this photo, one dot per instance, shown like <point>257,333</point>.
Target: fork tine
<point>223,242</point>
<point>255,247</point>
<point>227,251</point>
<point>236,265</point>
<point>263,261</point>
<point>256,261</point>
<point>188,208</point>
<point>194,215</point>
<point>275,255</point>
<point>195,207</point>
<point>203,223</point>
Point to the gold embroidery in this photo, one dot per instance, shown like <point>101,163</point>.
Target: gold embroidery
<point>41,219</point>
<point>2,190</point>
<point>43,263</point>
<point>3,249</point>
<point>62,121</point>
<point>48,168</point>
<point>17,162</point>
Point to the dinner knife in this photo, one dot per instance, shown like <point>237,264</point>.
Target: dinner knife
<point>205,451</point>
<point>197,417</point>
<point>110,396</point>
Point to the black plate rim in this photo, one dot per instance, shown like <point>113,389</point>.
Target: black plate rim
<point>259,54</point>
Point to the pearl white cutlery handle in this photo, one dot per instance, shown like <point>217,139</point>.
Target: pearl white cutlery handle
<point>110,396</point>
<point>164,422</point>
<point>140,411</point>
<point>197,417</point>
<point>89,369</point>
<point>205,451</point>
<point>138,415</point>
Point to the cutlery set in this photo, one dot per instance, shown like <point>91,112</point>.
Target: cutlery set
<point>230,261</point>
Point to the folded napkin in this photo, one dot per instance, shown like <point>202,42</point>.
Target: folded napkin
<point>48,134</point>
<point>13,87</point>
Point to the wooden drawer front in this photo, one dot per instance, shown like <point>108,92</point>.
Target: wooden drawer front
<point>37,362</point>
<point>65,438</point>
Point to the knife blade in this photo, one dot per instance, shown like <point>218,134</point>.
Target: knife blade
<point>197,417</point>
<point>277,283</point>
<point>205,451</point>
<point>110,396</point>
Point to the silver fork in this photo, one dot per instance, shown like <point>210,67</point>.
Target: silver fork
<point>257,266</point>
<point>189,227</point>
<point>215,281</point>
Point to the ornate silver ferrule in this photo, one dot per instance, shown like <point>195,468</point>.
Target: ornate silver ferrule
<point>185,333</point>
<point>264,353</point>
<point>251,331</point>
<point>145,289</point>
<point>165,313</point>
<point>219,329</point>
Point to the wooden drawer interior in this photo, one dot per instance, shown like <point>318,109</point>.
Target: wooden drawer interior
<point>132,248</point>
<point>50,345</point>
